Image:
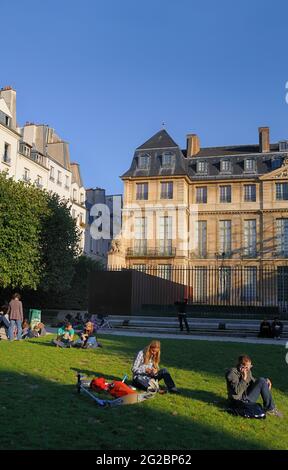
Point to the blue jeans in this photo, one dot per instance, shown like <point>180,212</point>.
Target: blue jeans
<point>5,322</point>
<point>14,323</point>
<point>260,387</point>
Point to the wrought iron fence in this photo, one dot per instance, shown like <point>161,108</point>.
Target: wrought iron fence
<point>225,285</point>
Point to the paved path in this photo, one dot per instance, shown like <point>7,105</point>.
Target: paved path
<point>221,339</point>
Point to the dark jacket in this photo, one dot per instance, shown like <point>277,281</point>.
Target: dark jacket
<point>236,386</point>
<point>15,310</point>
<point>181,307</point>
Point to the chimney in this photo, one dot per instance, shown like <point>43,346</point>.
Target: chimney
<point>9,96</point>
<point>264,139</point>
<point>193,145</point>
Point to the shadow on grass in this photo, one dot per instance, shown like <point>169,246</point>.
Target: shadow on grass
<point>59,418</point>
<point>92,373</point>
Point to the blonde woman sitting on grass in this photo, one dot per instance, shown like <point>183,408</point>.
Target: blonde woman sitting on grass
<point>146,367</point>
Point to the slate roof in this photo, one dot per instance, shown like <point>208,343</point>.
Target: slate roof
<point>181,165</point>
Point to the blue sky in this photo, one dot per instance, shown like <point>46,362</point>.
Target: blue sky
<point>106,74</point>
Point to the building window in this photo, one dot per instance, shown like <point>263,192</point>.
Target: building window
<point>6,155</point>
<point>250,192</point>
<point>7,120</point>
<point>24,149</point>
<point>225,237</point>
<point>282,191</point>
<point>250,237</point>
<point>249,164</point>
<point>82,198</point>
<point>201,227</point>
<point>26,176</point>
<point>59,178</point>
<point>224,283</point>
<point>249,283</point>
<point>73,213</point>
<point>140,243</point>
<point>225,193</point>
<point>202,167</point>
<point>167,159</point>
<point>66,182</point>
<point>282,284</point>
<point>39,181</point>
<point>225,166</point>
<point>74,195</point>
<point>165,235</point>
<point>282,237</point>
<point>143,162</point>
<point>167,190</point>
<point>283,146</point>
<point>200,283</point>
<point>142,191</point>
<point>165,271</point>
<point>201,195</point>
<point>52,173</point>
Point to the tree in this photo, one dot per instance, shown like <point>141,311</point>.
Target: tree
<point>21,209</point>
<point>59,245</point>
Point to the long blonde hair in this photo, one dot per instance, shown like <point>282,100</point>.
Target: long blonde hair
<point>148,354</point>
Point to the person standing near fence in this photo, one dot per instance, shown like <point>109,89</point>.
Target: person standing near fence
<point>182,314</point>
<point>15,312</point>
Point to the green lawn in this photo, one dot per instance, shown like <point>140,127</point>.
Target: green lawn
<point>40,408</point>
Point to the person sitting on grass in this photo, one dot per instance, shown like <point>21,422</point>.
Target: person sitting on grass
<point>265,329</point>
<point>146,367</point>
<point>242,387</point>
<point>4,319</point>
<point>65,336</point>
<point>38,330</point>
<point>25,328</point>
<point>276,328</point>
<point>87,338</point>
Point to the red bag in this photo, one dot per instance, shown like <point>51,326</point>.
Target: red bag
<point>99,385</point>
<point>119,389</point>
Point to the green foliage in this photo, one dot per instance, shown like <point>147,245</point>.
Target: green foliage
<point>21,211</point>
<point>59,245</point>
<point>38,239</point>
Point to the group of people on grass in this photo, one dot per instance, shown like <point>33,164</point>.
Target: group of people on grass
<point>16,327</point>
<point>242,387</point>
<point>66,334</point>
<point>271,330</point>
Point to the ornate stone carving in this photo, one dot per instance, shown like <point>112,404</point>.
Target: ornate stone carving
<point>115,246</point>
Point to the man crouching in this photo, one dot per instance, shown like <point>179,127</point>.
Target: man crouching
<point>242,387</point>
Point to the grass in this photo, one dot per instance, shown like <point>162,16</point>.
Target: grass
<point>40,408</point>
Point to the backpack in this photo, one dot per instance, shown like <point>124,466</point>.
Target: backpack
<point>247,410</point>
<point>99,385</point>
<point>119,389</point>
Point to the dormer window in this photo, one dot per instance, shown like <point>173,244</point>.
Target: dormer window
<point>202,167</point>
<point>283,146</point>
<point>25,150</point>
<point>167,159</point>
<point>143,162</point>
<point>249,164</point>
<point>4,119</point>
<point>225,166</point>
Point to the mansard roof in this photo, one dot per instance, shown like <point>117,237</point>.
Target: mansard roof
<point>162,142</point>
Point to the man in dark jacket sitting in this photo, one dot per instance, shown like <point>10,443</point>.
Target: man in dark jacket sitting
<point>276,328</point>
<point>242,387</point>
